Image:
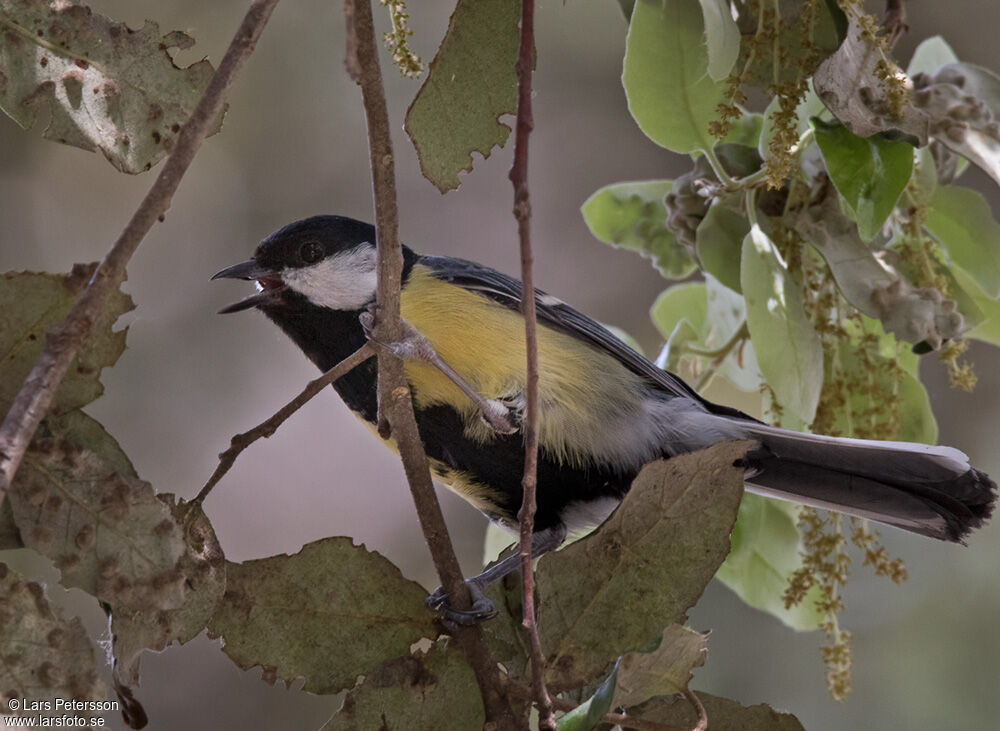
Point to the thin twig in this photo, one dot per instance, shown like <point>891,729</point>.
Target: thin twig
<point>266,428</point>
<point>695,701</point>
<point>618,719</point>
<point>894,21</point>
<point>395,404</point>
<point>529,482</point>
<point>64,342</point>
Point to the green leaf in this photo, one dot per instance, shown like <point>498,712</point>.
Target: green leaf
<point>962,222</point>
<point>912,407</point>
<point>471,83</point>
<point>719,242</point>
<point>705,315</point>
<point>925,177</point>
<point>767,550</point>
<point>801,48</point>
<point>590,714</point>
<point>869,173</point>
<point>723,714</point>
<point>659,549</point>
<point>679,314</point>
<point>726,314</point>
<point>988,328</point>
<point>31,304</point>
<point>331,612</point>
<point>45,656</point>
<point>670,92</point>
<point>664,670</point>
<point>788,350</point>
<point>930,55</point>
<point>722,36</point>
<point>626,6</point>
<point>632,216</point>
<point>418,693</point>
<point>103,85</point>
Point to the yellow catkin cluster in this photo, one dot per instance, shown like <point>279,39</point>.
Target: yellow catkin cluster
<point>398,40</point>
<point>860,401</point>
<point>919,259</point>
<point>825,565</point>
<point>891,79</point>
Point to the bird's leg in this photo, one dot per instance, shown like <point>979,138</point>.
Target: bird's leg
<point>415,346</point>
<point>482,608</point>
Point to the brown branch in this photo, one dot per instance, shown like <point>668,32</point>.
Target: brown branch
<point>529,482</point>
<point>395,404</point>
<point>618,719</point>
<point>894,21</point>
<point>64,342</point>
<point>266,428</point>
<point>695,701</point>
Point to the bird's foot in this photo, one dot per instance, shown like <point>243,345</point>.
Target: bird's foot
<point>481,610</point>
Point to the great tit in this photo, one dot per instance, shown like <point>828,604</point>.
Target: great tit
<point>604,410</point>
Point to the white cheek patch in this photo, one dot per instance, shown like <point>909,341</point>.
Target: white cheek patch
<point>345,281</point>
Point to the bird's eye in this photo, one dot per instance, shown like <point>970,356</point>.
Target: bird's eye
<point>311,252</point>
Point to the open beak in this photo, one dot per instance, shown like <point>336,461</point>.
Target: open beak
<point>269,281</point>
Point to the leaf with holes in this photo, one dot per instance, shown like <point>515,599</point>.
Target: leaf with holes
<point>665,669</point>
<point>45,656</point>
<point>204,568</point>
<point>660,549</point>
<point>470,85</point>
<point>418,692</point>
<point>102,85</point>
<point>31,304</point>
<point>78,501</point>
<point>723,714</point>
<point>329,613</point>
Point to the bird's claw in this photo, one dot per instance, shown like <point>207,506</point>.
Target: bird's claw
<point>499,417</point>
<point>481,610</point>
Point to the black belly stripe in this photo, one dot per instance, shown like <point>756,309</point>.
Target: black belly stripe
<point>499,464</point>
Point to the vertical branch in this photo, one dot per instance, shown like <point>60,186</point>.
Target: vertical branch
<point>395,405</point>
<point>529,482</point>
<point>64,342</point>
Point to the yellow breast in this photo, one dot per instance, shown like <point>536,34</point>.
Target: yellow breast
<point>581,389</point>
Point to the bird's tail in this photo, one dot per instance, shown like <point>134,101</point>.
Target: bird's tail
<point>927,490</point>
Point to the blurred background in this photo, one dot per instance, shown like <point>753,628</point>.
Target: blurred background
<point>926,654</point>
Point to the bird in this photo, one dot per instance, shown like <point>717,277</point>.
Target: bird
<point>604,410</point>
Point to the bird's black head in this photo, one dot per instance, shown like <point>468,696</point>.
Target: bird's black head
<point>323,261</point>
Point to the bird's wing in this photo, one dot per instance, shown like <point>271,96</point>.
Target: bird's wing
<point>507,291</point>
